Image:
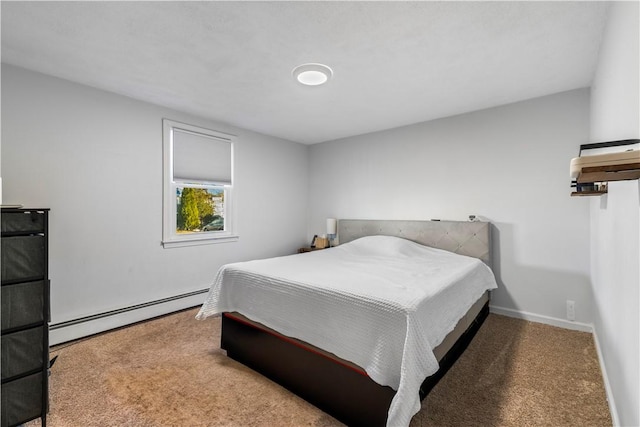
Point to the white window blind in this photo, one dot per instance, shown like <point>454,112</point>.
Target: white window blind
<point>201,158</point>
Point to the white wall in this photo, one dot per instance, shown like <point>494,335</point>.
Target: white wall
<point>95,159</point>
<point>615,218</point>
<point>508,165</point>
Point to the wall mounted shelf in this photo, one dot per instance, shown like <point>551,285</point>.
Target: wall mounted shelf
<point>622,172</point>
<point>588,193</point>
<point>587,171</point>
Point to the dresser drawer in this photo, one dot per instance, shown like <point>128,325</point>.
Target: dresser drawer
<point>22,400</point>
<point>23,222</point>
<point>22,351</point>
<point>23,257</point>
<point>22,304</point>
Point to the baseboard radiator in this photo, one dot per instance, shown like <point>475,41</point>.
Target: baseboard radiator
<point>124,316</point>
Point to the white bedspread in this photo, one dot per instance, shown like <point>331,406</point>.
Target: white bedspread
<point>380,302</point>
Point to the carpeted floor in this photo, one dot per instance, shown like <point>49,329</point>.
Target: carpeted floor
<point>171,372</point>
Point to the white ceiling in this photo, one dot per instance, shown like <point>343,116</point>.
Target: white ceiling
<point>394,63</point>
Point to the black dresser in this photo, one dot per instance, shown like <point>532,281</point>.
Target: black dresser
<point>25,315</point>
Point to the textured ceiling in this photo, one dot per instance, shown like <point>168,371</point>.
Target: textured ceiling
<point>394,63</point>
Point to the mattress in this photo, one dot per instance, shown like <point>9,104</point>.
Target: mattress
<point>607,159</point>
<point>380,302</point>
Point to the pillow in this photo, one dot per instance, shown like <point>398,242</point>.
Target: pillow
<point>386,246</point>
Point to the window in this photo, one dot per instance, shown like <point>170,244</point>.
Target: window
<point>198,185</point>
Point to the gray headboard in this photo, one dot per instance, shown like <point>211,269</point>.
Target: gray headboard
<point>462,237</point>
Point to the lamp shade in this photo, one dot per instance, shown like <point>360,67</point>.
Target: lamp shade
<point>332,226</point>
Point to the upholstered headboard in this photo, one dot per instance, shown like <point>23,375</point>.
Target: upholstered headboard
<point>462,237</point>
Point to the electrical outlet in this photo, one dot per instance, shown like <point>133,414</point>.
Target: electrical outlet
<point>571,310</point>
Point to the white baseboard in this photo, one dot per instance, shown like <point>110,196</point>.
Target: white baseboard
<point>605,378</point>
<point>538,318</point>
<point>73,330</point>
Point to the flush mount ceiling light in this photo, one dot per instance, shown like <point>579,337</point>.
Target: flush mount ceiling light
<point>312,74</point>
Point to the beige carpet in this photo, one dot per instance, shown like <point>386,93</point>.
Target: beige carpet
<point>171,372</point>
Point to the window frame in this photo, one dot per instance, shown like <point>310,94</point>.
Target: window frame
<point>170,238</point>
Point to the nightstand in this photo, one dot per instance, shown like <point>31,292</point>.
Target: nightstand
<point>309,249</point>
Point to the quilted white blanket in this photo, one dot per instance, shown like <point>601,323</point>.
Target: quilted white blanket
<point>380,302</point>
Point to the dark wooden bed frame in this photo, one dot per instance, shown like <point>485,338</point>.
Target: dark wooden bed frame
<point>343,391</point>
<point>346,394</point>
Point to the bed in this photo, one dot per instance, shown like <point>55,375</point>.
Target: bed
<point>363,330</point>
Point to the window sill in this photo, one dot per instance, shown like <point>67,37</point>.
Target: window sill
<point>179,243</point>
